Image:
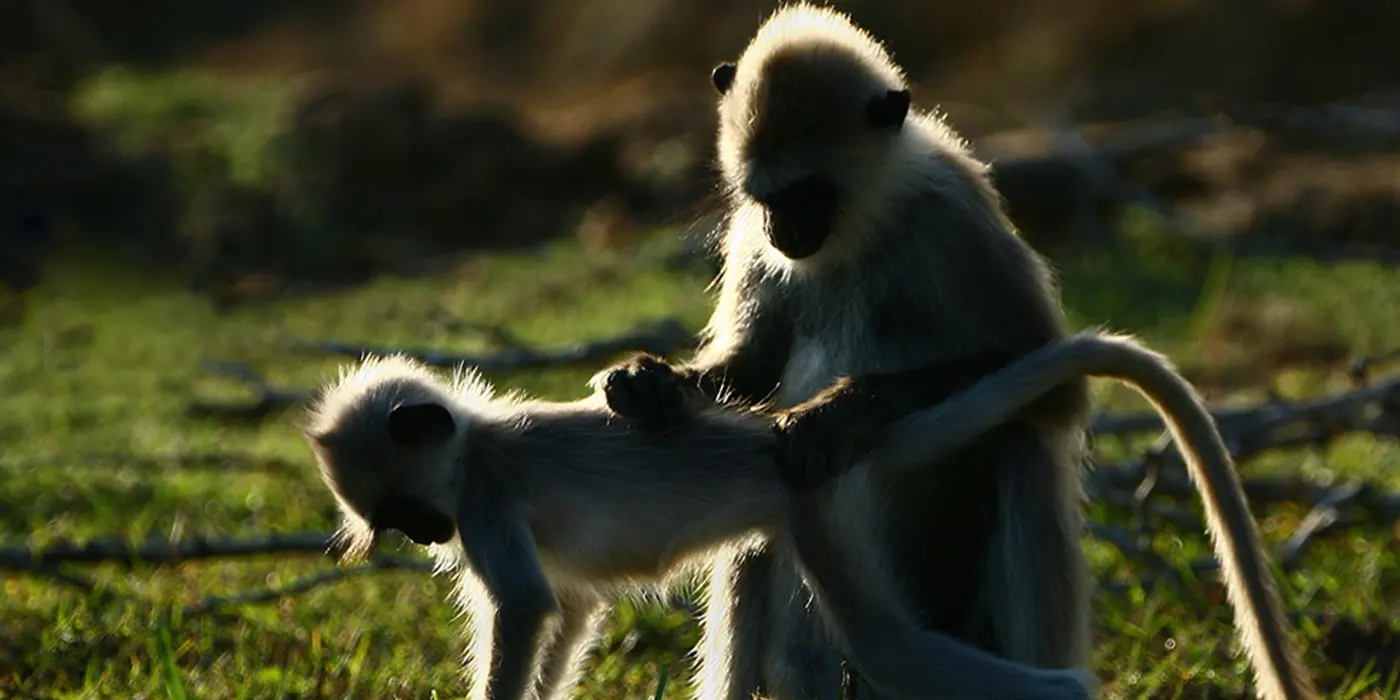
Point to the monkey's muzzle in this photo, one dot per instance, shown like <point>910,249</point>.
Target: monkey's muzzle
<point>801,216</point>
<point>416,519</point>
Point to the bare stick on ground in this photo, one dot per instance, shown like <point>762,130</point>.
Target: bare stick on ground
<point>659,338</point>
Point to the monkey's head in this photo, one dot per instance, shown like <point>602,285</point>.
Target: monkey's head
<point>387,437</point>
<point>808,119</point>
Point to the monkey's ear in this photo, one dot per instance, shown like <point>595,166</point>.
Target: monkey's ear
<point>723,76</point>
<point>888,111</point>
<point>421,423</point>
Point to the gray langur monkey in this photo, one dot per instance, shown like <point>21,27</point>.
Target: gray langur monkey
<point>869,269</point>
<point>545,507</point>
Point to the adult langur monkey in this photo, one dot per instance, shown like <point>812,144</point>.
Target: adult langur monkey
<point>867,257</point>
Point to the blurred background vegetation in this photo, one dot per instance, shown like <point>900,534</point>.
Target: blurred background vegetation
<point>190,182</point>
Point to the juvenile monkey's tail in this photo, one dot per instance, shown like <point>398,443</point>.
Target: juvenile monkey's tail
<point>918,439</point>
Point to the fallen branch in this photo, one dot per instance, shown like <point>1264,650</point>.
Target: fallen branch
<point>270,399</point>
<point>660,338</point>
<point>63,576</point>
<point>1384,123</point>
<point>163,551</point>
<point>306,583</point>
<point>1342,411</point>
<point>1324,517</point>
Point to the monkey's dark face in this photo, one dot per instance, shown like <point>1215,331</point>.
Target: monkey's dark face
<point>390,472</point>
<point>416,427</point>
<point>793,126</point>
<point>419,520</point>
<point>801,216</point>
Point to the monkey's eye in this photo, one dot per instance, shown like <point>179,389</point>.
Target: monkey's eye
<point>723,76</point>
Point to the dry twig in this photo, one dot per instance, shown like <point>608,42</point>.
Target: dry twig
<point>163,551</point>
<point>306,583</point>
<point>659,338</point>
<point>1264,425</point>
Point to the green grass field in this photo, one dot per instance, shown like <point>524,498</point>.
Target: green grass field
<point>95,384</point>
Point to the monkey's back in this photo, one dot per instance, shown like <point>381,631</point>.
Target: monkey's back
<point>612,498</point>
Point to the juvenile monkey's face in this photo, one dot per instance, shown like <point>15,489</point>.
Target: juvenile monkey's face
<point>388,474</point>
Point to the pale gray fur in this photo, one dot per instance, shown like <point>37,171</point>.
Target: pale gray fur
<point>923,267</point>
<point>564,499</point>
<point>563,654</point>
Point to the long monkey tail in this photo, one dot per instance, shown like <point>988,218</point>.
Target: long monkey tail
<point>913,442</point>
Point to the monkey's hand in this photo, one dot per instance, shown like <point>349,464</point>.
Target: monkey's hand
<point>647,390</point>
<point>819,439</point>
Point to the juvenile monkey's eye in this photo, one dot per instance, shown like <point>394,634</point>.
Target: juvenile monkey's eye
<point>723,76</point>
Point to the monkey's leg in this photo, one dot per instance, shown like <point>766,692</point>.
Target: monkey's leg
<point>1037,591</point>
<point>735,634</point>
<point>504,668</point>
<point>855,588</point>
<point>563,655</point>
<point>801,661</point>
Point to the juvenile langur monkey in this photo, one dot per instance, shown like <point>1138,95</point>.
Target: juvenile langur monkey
<point>870,270</point>
<point>545,507</point>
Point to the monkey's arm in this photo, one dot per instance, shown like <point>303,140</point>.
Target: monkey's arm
<point>817,438</point>
<point>746,352</point>
<point>500,552</point>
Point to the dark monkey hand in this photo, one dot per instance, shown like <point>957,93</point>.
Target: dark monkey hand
<point>818,440</point>
<point>646,389</point>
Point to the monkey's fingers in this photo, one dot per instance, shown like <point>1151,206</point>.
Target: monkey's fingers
<point>625,394</point>
<point>648,392</point>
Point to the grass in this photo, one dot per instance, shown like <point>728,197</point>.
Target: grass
<point>94,385</point>
<point>202,120</point>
